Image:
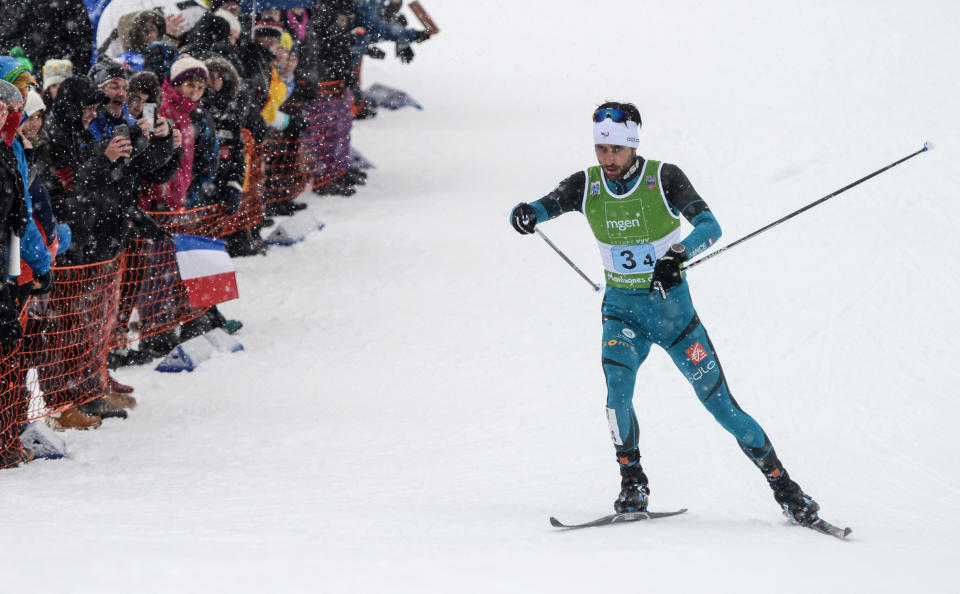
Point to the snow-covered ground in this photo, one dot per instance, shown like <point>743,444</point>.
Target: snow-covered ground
<point>421,386</point>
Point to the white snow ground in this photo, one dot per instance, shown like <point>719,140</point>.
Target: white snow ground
<point>421,387</point>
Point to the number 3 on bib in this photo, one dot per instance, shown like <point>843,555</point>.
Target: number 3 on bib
<point>633,259</point>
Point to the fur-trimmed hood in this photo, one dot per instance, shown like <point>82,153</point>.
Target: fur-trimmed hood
<point>133,31</point>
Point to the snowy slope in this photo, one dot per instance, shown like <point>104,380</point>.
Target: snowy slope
<point>421,386</point>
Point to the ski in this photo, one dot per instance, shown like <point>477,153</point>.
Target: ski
<point>821,525</point>
<point>616,519</point>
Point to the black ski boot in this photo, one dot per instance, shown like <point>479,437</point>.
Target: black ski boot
<point>634,492</point>
<point>797,505</point>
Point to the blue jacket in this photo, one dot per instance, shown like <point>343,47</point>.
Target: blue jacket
<point>368,17</point>
<point>43,215</point>
<point>132,59</point>
<point>102,129</point>
<point>32,249</point>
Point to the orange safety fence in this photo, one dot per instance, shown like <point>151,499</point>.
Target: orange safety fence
<point>212,220</point>
<point>67,336</point>
<point>326,140</point>
<point>12,407</point>
<point>287,166</point>
<point>153,298</point>
<point>61,361</point>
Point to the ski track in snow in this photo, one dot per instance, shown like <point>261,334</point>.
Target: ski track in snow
<point>421,387</point>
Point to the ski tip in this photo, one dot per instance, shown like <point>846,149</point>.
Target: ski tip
<point>821,525</point>
<point>928,145</point>
<point>555,522</point>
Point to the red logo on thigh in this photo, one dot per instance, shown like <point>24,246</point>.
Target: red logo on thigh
<point>697,353</point>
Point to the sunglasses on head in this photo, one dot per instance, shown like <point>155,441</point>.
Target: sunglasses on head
<point>617,115</point>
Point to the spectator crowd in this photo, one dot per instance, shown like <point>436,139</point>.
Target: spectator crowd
<point>194,117</point>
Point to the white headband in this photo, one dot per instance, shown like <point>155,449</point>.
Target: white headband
<point>625,133</point>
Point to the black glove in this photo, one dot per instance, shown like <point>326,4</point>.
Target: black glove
<point>405,53</point>
<point>421,36</point>
<point>376,53</point>
<point>231,198</point>
<point>10,330</point>
<point>45,281</point>
<point>666,273</point>
<point>523,218</point>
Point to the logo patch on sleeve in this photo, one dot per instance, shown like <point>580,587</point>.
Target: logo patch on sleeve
<point>696,353</point>
<point>595,189</point>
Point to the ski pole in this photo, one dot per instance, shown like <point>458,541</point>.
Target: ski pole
<point>596,286</point>
<point>926,147</point>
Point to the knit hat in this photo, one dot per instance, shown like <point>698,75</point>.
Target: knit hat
<point>187,67</point>
<point>56,71</point>
<point>34,103</point>
<point>286,41</point>
<point>230,18</point>
<point>9,93</point>
<point>106,69</point>
<point>268,27</point>
<point>21,56</point>
<point>13,68</point>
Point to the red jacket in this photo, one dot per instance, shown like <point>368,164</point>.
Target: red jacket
<point>177,108</point>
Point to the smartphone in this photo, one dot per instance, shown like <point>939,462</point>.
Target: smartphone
<point>122,130</point>
<point>150,113</point>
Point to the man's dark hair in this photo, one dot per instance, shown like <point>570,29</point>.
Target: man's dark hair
<point>147,83</point>
<point>633,114</point>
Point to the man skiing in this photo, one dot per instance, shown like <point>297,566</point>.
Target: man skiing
<point>633,206</point>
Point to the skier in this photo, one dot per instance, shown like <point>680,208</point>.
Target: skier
<point>633,206</point>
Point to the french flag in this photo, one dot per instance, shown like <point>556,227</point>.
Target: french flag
<point>206,270</point>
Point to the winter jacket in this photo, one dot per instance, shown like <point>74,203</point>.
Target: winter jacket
<point>13,220</point>
<point>376,28</point>
<point>95,196</point>
<point>177,108</point>
<point>102,126</point>
<point>55,235</point>
<point>256,74</point>
<point>206,158</point>
<point>33,250</point>
<point>34,254</point>
<point>277,95</point>
<point>309,69</point>
<point>333,23</point>
<point>43,217</point>
<point>159,57</point>
<point>13,209</point>
<point>224,109</point>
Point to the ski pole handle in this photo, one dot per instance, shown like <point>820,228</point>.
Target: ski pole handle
<point>596,286</point>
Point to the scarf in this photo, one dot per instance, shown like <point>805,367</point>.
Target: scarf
<point>9,130</point>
